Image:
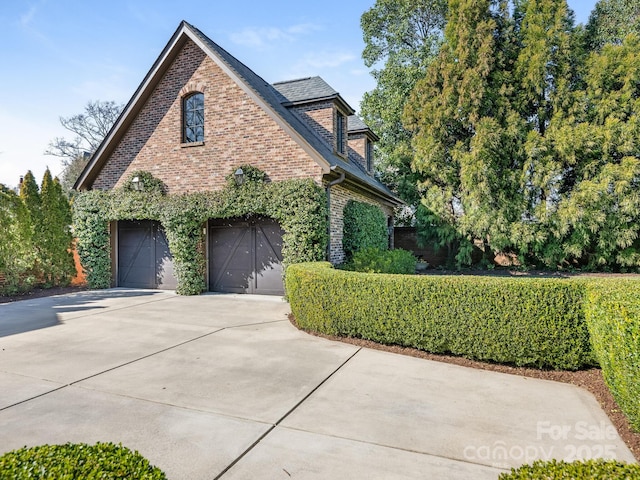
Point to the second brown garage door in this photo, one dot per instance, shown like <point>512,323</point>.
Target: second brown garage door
<point>245,256</point>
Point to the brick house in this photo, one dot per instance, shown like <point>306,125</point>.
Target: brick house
<point>199,114</point>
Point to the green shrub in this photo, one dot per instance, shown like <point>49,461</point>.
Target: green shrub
<point>521,321</point>
<point>591,469</point>
<point>613,319</point>
<point>104,461</point>
<point>365,226</point>
<point>374,260</point>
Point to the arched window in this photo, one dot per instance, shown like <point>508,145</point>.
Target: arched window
<point>193,118</point>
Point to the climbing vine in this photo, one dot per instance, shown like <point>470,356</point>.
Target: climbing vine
<point>299,206</point>
<point>365,226</point>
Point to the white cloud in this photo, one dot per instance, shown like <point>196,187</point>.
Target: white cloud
<point>327,59</point>
<point>104,88</point>
<point>315,63</point>
<point>263,37</point>
<point>26,18</point>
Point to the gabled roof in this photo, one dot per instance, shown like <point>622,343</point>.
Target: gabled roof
<point>309,90</point>
<point>265,95</point>
<point>356,125</point>
<point>305,89</point>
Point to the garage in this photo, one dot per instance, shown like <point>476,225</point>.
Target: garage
<point>144,259</point>
<point>245,256</point>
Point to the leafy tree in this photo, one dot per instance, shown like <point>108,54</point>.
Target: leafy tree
<point>610,21</point>
<point>90,128</point>
<point>403,36</point>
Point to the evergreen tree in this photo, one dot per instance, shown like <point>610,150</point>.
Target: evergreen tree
<point>546,75</point>
<point>16,249</point>
<point>30,196</point>
<point>57,260</point>
<point>527,142</point>
<point>465,129</point>
<point>597,220</point>
<point>47,228</point>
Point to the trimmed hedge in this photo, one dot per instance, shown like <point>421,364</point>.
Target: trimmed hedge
<point>104,461</point>
<point>521,321</point>
<point>613,318</point>
<point>591,469</point>
<point>558,323</point>
<point>374,260</point>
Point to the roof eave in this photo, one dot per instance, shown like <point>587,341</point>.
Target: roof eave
<point>328,98</point>
<point>366,131</point>
<point>387,196</point>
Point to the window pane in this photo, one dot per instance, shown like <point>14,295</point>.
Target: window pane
<point>193,115</point>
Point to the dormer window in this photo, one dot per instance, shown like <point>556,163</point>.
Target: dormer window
<point>193,118</point>
<point>340,128</point>
<point>368,154</point>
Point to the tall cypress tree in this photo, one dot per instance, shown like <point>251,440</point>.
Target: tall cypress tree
<point>464,130</point>
<point>63,240</point>
<point>57,261</point>
<point>597,141</point>
<point>30,196</point>
<point>545,78</point>
<point>528,142</point>
<point>47,228</point>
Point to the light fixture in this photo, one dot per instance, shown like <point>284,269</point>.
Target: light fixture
<point>239,176</point>
<point>137,184</point>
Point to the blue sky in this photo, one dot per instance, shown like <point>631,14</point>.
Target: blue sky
<point>59,54</point>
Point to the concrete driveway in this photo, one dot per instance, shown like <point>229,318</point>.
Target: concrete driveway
<point>223,386</point>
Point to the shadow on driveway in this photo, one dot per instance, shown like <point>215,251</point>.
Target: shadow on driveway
<point>33,314</point>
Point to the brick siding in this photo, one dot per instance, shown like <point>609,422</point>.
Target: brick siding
<point>357,149</point>
<point>237,131</point>
<point>339,198</point>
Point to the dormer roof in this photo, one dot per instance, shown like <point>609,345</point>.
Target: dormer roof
<point>309,90</point>
<point>356,125</point>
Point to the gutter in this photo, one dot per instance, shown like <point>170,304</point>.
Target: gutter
<point>337,181</point>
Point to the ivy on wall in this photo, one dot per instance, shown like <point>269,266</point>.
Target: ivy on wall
<point>365,226</point>
<point>298,205</point>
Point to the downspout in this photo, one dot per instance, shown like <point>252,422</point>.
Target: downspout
<point>338,180</point>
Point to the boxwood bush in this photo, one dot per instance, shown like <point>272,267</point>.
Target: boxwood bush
<point>613,318</point>
<point>374,260</point>
<point>104,461</point>
<point>557,323</point>
<point>521,321</point>
<point>591,469</point>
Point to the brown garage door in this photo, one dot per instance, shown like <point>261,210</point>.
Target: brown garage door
<point>144,259</point>
<point>245,256</point>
